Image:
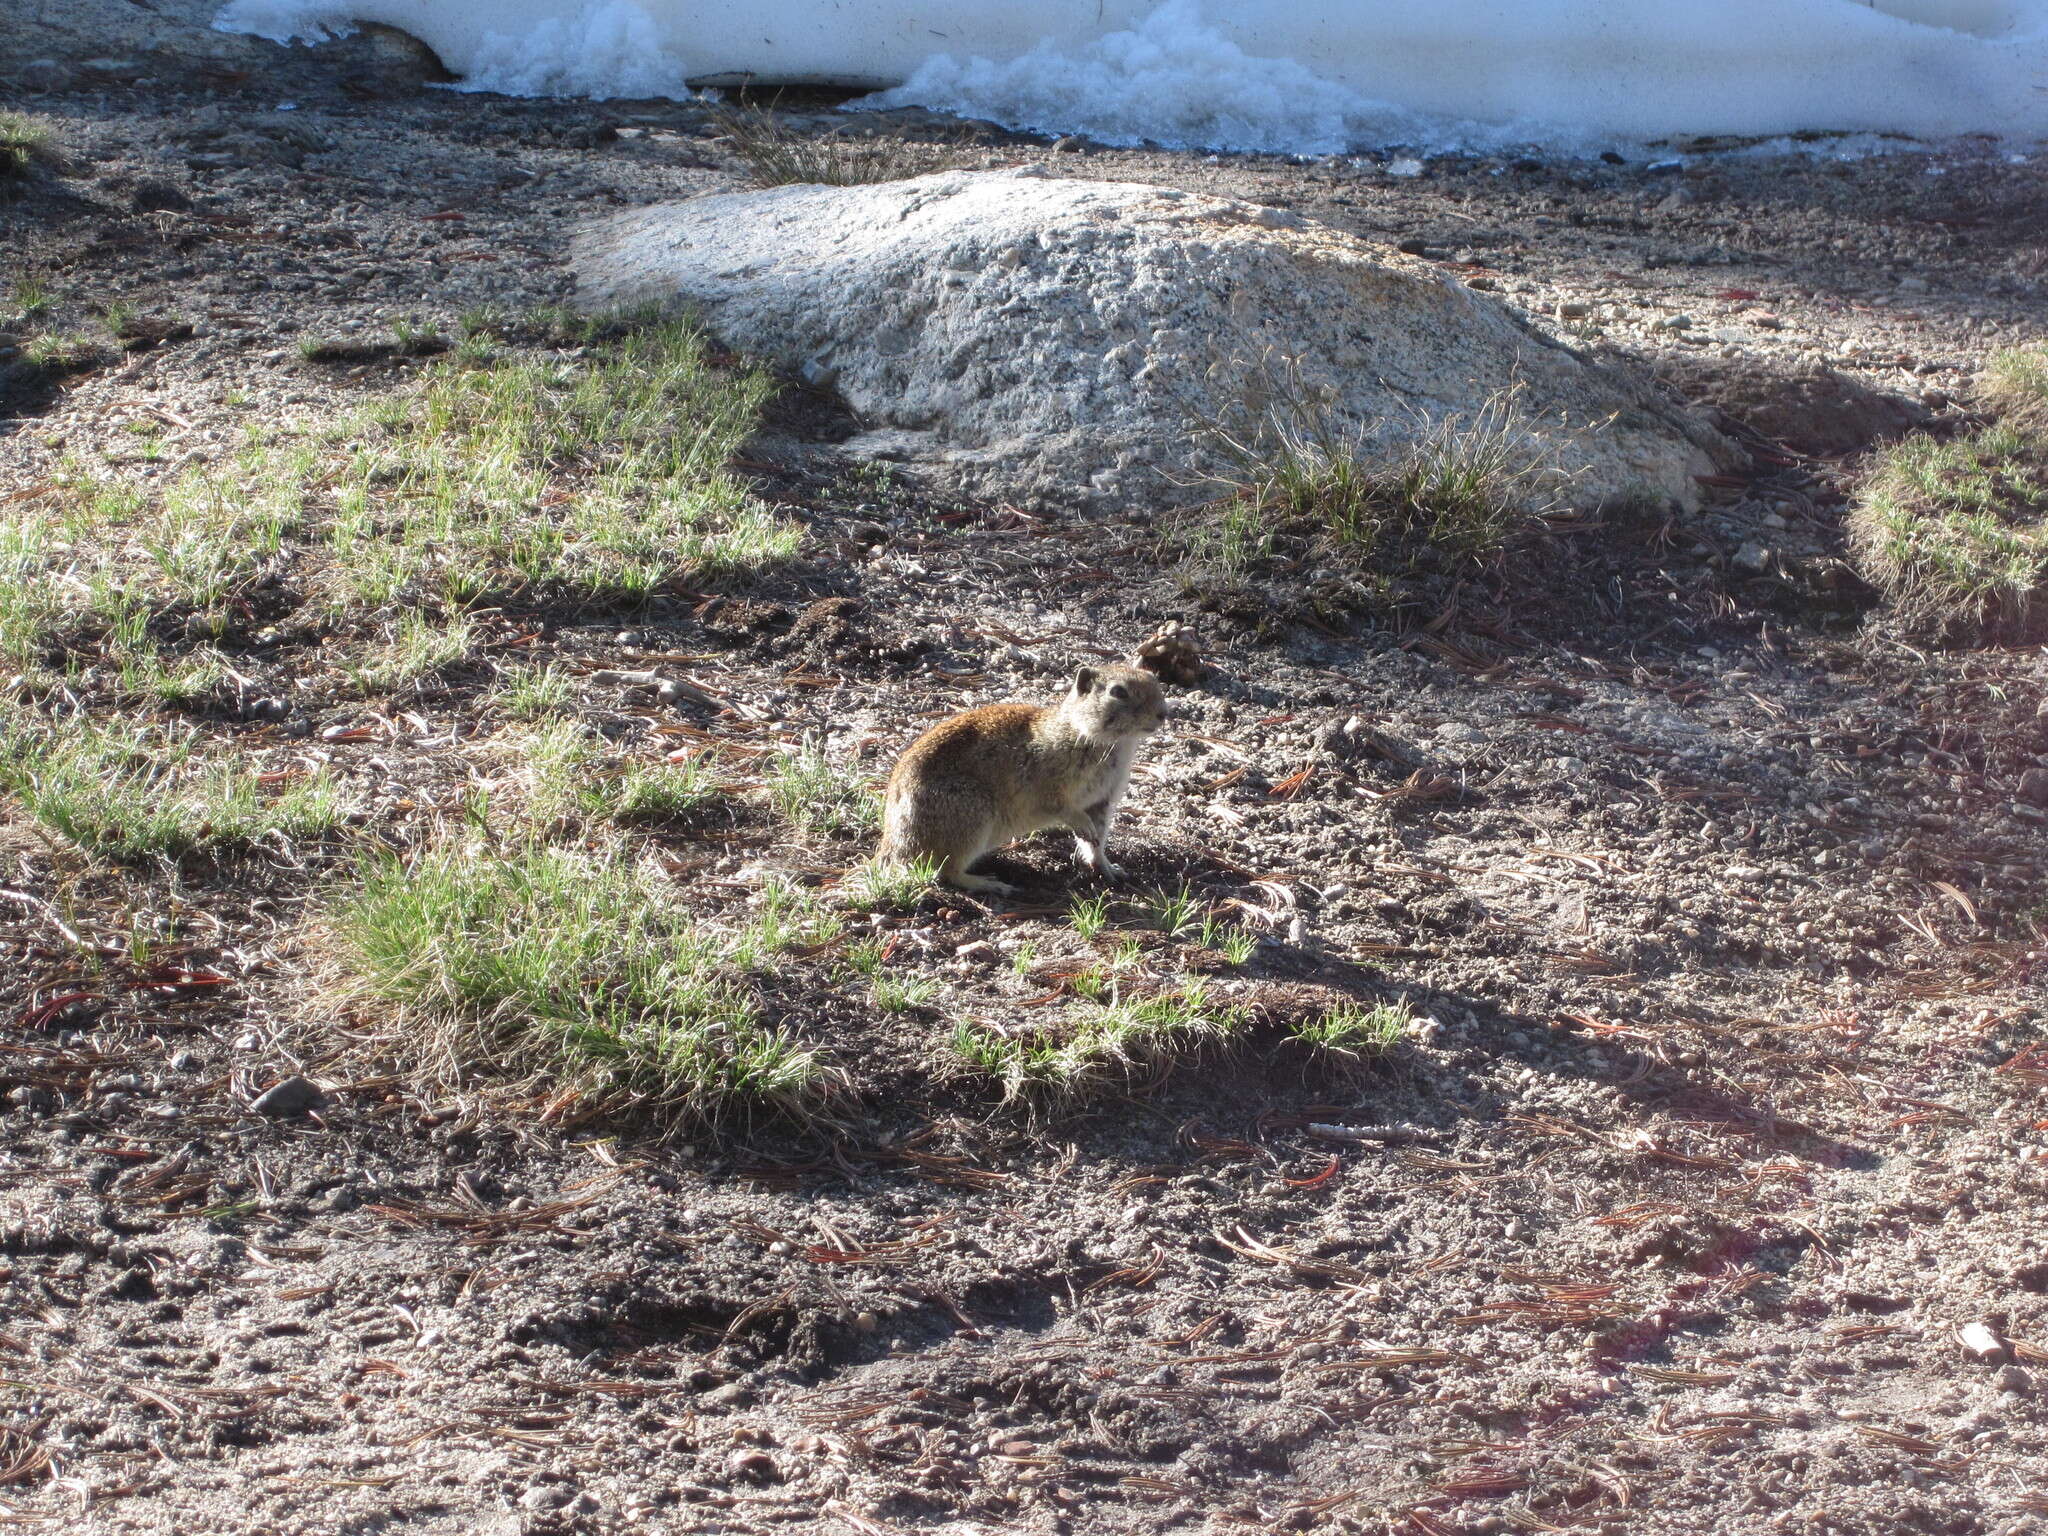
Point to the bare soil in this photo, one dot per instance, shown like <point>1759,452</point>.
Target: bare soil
<point>1719,904</point>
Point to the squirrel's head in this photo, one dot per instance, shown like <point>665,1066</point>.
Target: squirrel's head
<point>1116,701</point>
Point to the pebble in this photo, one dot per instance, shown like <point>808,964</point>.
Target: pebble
<point>753,1467</point>
<point>294,1096</point>
<point>543,1497</point>
<point>1981,1342</point>
<point>2034,786</point>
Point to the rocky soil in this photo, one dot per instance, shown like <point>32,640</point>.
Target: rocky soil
<point>1702,1196</point>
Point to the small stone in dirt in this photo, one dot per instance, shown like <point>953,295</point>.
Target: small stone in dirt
<point>2034,786</point>
<point>1980,1342</point>
<point>185,1061</point>
<point>753,1467</point>
<point>35,1100</point>
<point>546,1496</point>
<point>294,1096</point>
<point>1753,557</point>
<point>1573,309</point>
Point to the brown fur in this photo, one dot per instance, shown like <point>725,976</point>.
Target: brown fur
<point>985,778</point>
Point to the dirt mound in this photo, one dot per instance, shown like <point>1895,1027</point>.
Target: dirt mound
<point>1815,411</point>
<point>1066,338</point>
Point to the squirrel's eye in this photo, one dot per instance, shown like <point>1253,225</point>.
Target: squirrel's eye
<point>1119,692</point>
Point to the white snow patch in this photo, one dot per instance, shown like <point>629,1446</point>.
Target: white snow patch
<point>1173,80</point>
<point>1303,76</point>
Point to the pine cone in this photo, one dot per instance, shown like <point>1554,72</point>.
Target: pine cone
<point>1172,654</point>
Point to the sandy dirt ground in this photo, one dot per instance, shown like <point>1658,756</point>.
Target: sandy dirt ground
<point>1718,906</point>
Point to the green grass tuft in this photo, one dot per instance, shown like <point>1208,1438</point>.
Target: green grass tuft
<point>884,885</point>
<point>1351,1029</point>
<point>1955,533</point>
<point>1463,485</point>
<point>1104,1043</point>
<point>134,795</point>
<point>821,798</point>
<point>25,144</point>
<point>575,964</point>
<point>2015,386</point>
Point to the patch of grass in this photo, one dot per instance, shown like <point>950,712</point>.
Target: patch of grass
<point>534,693</point>
<point>25,144</point>
<point>1172,912</point>
<point>899,994</point>
<point>134,795</point>
<point>31,297</point>
<point>420,646</point>
<point>1234,944</point>
<point>885,885</point>
<point>1224,543</point>
<point>1351,1029</point>
<point>1461,485</point>
<point>576,965</point>
<point>652,792</point>
<point>597,477</point>
<point>64,353</point>
<point>784,917</point>
<point>418,338</point>
<point>603,476</point>
<point>1088,916</point>
<point>1955,533</point>
<point>2015,385</point>
<point>1105,1043</point>
<point>821,798</point>
<point>775,155</point>
<point>866,958</point>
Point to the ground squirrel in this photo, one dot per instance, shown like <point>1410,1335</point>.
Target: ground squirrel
<point>992,775</point>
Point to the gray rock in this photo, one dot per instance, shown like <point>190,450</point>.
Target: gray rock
<point>2034,786</point>
<point>1051,338</point>
<point>294,1096</point>
<point>1753,557</point>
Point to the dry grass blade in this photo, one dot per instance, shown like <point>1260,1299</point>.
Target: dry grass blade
<point>776,155</point>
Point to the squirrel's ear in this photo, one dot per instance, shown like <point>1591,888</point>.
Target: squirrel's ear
<point>1086,679</point>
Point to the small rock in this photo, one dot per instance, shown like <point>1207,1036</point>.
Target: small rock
<point>185,1061</point>
<point>1573,309</point>
<point>294,1096</point>
<point>1913,285</point>
<point>1753,557</point>
<point>33,1099</point>
<point>1675,323</point>
<point>543,1497</point>
<point>2034,786</point>
<point>752,1467</point>
<point>1980,1342</point>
